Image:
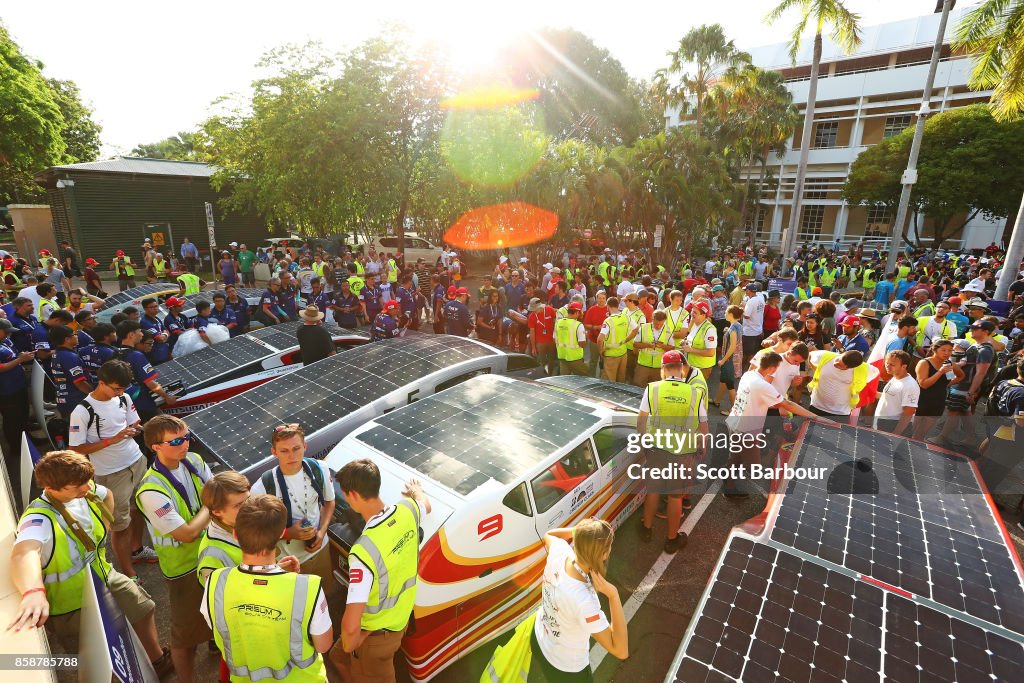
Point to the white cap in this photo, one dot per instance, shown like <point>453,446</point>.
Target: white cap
<point>549,266</point>
<point>503,259</point>
<point>232,244</point>
<point>523,260</point>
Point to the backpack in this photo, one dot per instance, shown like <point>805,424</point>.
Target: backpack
<point>94,418</point>
<point>312,471</point>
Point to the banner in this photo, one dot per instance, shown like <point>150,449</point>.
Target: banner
<point>108,644</point>
<point>38,384</point>
<point>1000,308</point>
<point>784,286</point>
<point>29,457</point>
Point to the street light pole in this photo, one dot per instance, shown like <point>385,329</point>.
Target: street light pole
<point>910,175</point>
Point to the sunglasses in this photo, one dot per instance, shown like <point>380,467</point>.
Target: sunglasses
<point>180,440</point>
<point>281,428</point>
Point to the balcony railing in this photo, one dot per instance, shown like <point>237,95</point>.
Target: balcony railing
<point>865,70</point>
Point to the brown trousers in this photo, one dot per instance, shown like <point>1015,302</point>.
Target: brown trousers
<point>372,662</point>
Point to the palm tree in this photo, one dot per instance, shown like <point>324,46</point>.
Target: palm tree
<point>845,31</point>
<point>702,53</point>
<point>993,31</point>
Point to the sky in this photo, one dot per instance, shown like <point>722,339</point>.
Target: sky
<point>150,70</point>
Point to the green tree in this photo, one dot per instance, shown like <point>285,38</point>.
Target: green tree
<point>80,133</point>
<point>30,123</point>
<point>702,53</point>
<point>185,146</point>
<point>970,164</point>
<point>845,31</point>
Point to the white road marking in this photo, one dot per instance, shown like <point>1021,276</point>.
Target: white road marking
<point>644,588</point>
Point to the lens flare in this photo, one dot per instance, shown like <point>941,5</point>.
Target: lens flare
<point>501,226</point>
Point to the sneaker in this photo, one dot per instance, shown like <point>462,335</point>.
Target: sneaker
<point>646,533</point>
<point>674,544</point>
<point>733,492</point>
<point>163,666</point>
<point>144,554</point>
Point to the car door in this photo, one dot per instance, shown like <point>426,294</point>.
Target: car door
<point>564,486</point>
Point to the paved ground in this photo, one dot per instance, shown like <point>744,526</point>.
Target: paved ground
<point>657,622</point>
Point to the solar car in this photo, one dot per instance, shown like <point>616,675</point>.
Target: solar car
<point>251,296</point>
<point>115,303</point>
<point>502,461</point>
<point>332,397</point>
<point>216,373</point>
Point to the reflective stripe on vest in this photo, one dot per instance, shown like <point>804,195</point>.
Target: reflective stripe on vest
<point>699,343</point>
<point>869,279</point>
<point>567,343</point>
<point>638,318</point>
<point>618,330</point>
<point>698,382</point>
<point>128,270</point>
<point>828,277</point>
<point>674,405</point>
<point>216,554</point>
<point>394,592</point>
<point>676,319</point>
<point>190,282</point>
<point>256,647</point>
<point>176,558</point>
<point>64,573</point>
<point>651,358</point>
<point>925,310</point>
<point>160,267</point>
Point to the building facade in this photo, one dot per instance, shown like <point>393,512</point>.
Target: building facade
<point>862,98</point>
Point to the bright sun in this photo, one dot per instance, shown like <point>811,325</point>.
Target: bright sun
<point>471,39</point>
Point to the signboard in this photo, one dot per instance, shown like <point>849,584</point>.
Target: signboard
<point>108,644</point>
<point>159,235</point>
<point>784,286</point>
<point>210,231</point>
<point>659,232</point>
<point>1000,308</point>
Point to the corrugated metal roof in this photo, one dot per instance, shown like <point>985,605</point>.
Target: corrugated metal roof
<point>143,166</point>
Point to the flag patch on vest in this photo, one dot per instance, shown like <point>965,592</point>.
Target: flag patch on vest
<point>591,620</point>
<point>28,523</point>
<point>163,511</point>
<point>259,582</point>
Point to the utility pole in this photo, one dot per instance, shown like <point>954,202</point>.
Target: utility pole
<point>910,175</point>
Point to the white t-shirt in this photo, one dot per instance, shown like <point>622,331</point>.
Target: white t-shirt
<point>832,394</point>
<point>160,510</point>
<point>625,287</point>
<point>361,577</point>
<point>753,316</point>
<point>785,373</point>
<point>976,285</point>
<point>570,612</point>
<point>897,395</point>
<point>754,396</point>
<point>31,293</point>
<point>319,622</point>
<point>37,527</point>
<point>304,504</point>
<point>111,418</point>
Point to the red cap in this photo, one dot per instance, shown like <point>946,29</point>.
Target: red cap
<point>575,306</point>
<point>851,321</point>
<point>44,252</point>
<point>955,301</point>
<point>462,291</point>
<point>703,307</point>
<point>452,292</point>
<point>391,303</point>
<point>174,301</point>
<point>91,262</point>
<point>120,252</point>
<point>671,358</point>
<point>816,291</point>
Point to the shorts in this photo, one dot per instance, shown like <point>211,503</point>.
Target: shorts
<point>249,278</point>
<point>751,344</point>
<point>727,374</point>
<point>188,627</point>
<point>678,482</point>
<point>131,597</point>
<point>957,401</point>
<point>123,485</point>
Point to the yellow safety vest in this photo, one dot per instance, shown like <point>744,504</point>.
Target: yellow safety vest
<point>618,330</point>
<point>651,358</point>
<point>359,268</point>
<point>903,272</point>
<point>698,382</point>
<point>676,319</point>
<point>925,310</point>
<point>860,377</point>
<point>637,317</point>
<point>17,280</point>
<point>54,306</point>
<point>698,343</point>
<point>160,267</point>
<point>674,408</point>
<point>176,558</point>
<point>391,550</point>
<point>869,281</point>
<point>128,270</point>
<point>812,279</point>
<point>567,344</point>
<point>828,277</point>
<point>216,554</point>
<point>948,329</point>
<point>65,572</point>
<point>602,272</point>
<point>318,268</point>
<point>392,270</point>
<point>261,624</point>
<point>746,268</point>
<point>191,283</point>
<point>802,294</point>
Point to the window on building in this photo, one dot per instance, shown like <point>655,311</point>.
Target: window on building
<point>825,134</point>
<point>815,188</point>
<point>755,221</point>
<point>894,125</point>
<point>811,218</point>
<point>879,221</point>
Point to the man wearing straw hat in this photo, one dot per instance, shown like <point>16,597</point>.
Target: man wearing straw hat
<point>315,342</point>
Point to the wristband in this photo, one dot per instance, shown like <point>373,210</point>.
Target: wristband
<point>33,590</point>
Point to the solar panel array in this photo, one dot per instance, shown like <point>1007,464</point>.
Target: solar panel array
<point>624,395</point>
<point>283,336</point>
<point>914,583</point>
<point>440,436</point>
<point>129,295</point>
<point>245,293</point>
<point>213,361</point>
<point>236,431</point>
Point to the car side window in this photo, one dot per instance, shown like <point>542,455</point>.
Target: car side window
<point>388,242</point>
<point>459,379</point>
<point>420,244</point>
<point>554,483</point>
<point>517,500</point>
<point>610,441</point>
<point>520,361</point>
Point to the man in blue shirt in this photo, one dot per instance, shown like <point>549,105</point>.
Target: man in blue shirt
<point>457,318</point>
<point>189,254</point>
<point>67,370</point>
<point>904,285</point>
<point>515,291</point>
<point>286,297</point>
<point>24,322</point>
<point>371,297</point>
<point>150,320</point>
<point>202,320</point>
<point>145,388</point>
<point>240,307</point>
<point>851,337</point>
<point>14,399</point>
<point>885,291</point>
<point>407,301</point>
<point>385,325</point>
<point>318,297</point>
<point>270,311</point>
<point>346,306</point>
<point>222,314</point>
<point>175,322</point>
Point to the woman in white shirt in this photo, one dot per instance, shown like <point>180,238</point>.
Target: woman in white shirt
<point>570,611</point>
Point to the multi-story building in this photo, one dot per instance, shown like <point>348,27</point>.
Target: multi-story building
<point>862,98</point>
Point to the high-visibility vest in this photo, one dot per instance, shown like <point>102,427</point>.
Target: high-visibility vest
<point>602,272</point>
<point>261,625</point>
<point>746,268</point>
<point>651,358</point>
<point>562,312</point>
<point>392,270</point>
<point>802,294</point>
<point>698,382</point>
<point>903,272</point>
<point>812,279</point>
<point>674,408</point>
<point>828,277</point>
<point>869,281</point>
<point>190,282</point>
<point>391,550</point>
<point>54,306</point>
<point>567,344</point>
<point>676,319</point>
<point>860,377</point>
<point>160,267</point>
<point>128,270</point>
<point>948,329</point>
<point>176,558</point>
<point>356,284</point>
<point>618,330</point>
<point>65,572</point>
<point>698,343</point>
<point>925,310</point>
<point>637,318</point>
<point>568,275</point>
<point>17,280</point>
<point>359,268</point>
<point>318,268</point>
<point>215,553</point>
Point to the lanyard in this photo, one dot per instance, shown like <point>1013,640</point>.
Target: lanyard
<point>178,486</point>
<point>282,489</point>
